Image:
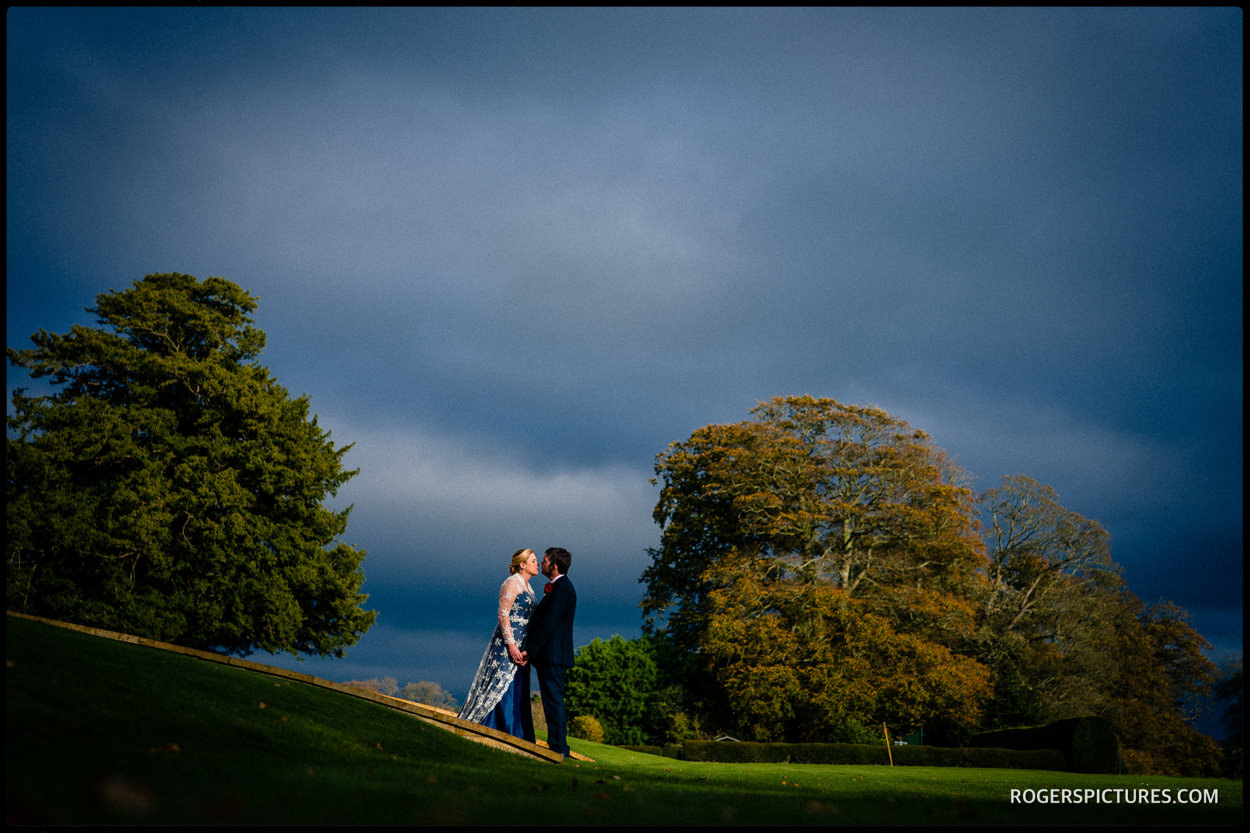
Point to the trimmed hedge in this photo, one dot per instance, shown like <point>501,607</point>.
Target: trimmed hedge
<point>1088,744</point>
<point>1078,744</point>
<point>847,753</point>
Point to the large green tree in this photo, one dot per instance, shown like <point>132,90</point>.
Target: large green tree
<point>614,682</point>
<point>168,487</point>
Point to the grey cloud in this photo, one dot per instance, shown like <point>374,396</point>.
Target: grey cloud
<point>514,253</point>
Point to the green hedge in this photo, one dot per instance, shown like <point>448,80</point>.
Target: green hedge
<point>1088,744</point>
<point>1079,744</point>
<point>664,751</point>
<point>846,753</point>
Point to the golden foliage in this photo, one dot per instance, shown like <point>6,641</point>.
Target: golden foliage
<point>802,662</point>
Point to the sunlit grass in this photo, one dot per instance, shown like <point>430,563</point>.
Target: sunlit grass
<point>101,732</point>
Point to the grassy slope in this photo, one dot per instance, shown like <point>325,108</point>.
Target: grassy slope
<point>105,732</point>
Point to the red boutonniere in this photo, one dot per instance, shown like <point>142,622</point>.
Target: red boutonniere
<point>547,589</point>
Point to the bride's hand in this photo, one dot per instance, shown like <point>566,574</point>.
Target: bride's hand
<point>516,655</point>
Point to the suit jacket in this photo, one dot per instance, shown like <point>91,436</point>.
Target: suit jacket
<point>549,639</point>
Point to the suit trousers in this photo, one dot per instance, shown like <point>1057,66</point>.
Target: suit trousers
<point>551,686</point>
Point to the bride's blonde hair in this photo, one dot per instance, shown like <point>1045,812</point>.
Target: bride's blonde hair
<point>518,558</point>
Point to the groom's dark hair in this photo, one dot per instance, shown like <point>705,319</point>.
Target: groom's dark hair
<point>561,558</point>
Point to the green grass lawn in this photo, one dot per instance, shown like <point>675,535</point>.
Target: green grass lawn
<point>104,732</point>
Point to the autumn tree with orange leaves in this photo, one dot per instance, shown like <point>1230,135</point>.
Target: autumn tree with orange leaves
<point>825,568</point>
<point>812,540</point>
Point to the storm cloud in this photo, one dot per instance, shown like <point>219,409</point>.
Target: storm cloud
<point>512,254</point>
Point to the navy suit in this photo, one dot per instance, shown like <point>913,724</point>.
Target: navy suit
<point>549,645</point>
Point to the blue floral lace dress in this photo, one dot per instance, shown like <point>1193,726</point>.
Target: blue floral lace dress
<point>500,694</point>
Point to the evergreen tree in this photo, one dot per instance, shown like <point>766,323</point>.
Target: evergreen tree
<point>170,488</point>
<point>613,682</point>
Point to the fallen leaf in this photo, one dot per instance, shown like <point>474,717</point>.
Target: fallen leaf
<point>121,794</point>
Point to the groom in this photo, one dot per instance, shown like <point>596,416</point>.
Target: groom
<point>549,643</point>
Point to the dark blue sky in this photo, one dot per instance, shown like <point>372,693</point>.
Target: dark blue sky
<point>512,254</point>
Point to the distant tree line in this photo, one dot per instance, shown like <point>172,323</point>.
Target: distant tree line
<point>825,569</point>
<point>423,691</point>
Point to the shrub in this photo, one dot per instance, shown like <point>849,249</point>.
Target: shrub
<point>586,727</point>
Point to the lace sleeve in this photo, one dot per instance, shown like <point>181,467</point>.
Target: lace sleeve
<point>508,591</point>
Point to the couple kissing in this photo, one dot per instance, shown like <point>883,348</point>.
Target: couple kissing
<point>530,631</point>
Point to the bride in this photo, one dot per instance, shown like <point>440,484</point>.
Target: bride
<point>500,694</point>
